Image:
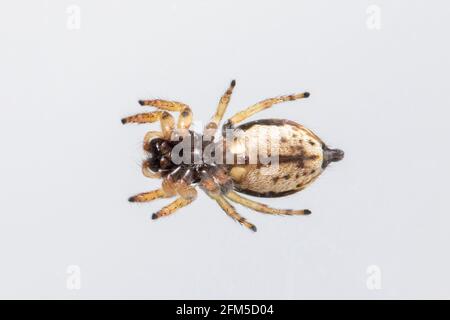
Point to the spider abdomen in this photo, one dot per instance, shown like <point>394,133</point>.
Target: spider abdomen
<point>293,156</point>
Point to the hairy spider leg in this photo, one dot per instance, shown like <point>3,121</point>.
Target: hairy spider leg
<point>264,104</point>
<point>167,190</point>
<point>185,117</point>
<point>231,211</point>
<point>213,124</point>
<point>165,119</point>
<point>180,202</point>
<point>260,207</point>
<point>213,190</point>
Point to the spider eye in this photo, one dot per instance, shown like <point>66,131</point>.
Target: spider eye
<point>165,147</point>
<point>165,163</point>
<point>153,162</point>
<point>155,144</point>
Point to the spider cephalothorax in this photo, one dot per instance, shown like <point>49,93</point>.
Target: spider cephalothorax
<point>168,158</point>
<point>237,162</point>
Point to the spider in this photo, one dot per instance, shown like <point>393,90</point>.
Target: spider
<point>301,157</point>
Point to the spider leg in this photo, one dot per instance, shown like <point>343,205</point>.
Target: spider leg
<point>164,104</point>
<point>231,211</point>
<point>166,120</point>
<point>264,104</point>
<point>166,191</point>
<point>213,190</point>
<point>185,118</point>
<point>148,196</point>
<point>187,195</point>
<point>185,190</point>
<point>257,206</point>
<point>172,207</point>
<point>213,124</point>
<point>146,171</point>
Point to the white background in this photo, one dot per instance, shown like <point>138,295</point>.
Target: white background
<point>68,165</point>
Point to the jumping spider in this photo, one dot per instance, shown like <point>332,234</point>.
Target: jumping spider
<point>302,156</point>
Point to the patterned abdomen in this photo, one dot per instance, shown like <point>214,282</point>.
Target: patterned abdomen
<point>292,158</point>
